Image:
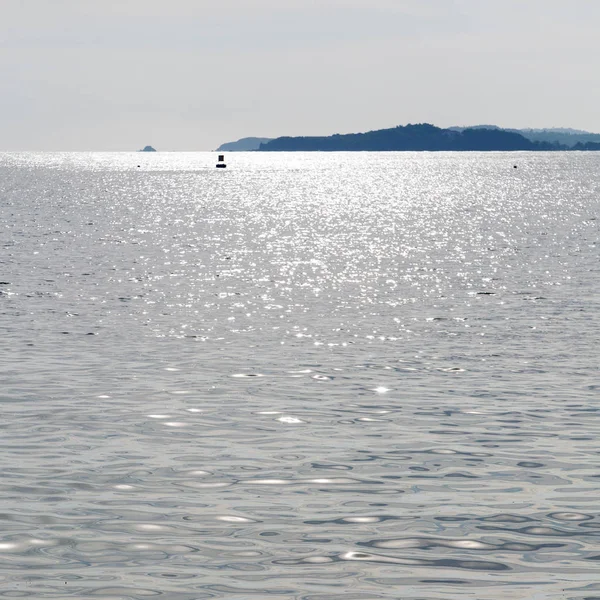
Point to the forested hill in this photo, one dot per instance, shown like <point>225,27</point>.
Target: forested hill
<point>244,145</point>
<point>423,137</point>
<point>554,135</point>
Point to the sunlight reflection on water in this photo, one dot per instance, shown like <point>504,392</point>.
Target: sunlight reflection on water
<point>306,376</point>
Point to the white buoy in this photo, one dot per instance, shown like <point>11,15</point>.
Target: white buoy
<point>221,163</point>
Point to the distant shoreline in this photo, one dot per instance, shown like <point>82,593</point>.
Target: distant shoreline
<point>428,138</point>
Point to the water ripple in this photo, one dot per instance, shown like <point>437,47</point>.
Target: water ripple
<point>315,376</point>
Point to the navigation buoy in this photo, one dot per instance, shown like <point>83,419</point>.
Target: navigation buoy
<point>221,163</point>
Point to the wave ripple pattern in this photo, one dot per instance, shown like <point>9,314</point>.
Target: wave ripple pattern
<point>309,376</point>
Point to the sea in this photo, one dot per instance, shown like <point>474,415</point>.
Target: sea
<point>307,376</point>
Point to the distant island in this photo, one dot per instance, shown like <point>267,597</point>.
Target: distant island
<point>426,137</point>
<point>246,144</point>
<point>147,149</point>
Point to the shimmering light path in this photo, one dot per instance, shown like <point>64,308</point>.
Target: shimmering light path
<point>309,376</point>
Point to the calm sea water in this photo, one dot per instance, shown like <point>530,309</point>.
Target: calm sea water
<point>308,376</point>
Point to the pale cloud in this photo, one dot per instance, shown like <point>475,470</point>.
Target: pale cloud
<point>184,74</point>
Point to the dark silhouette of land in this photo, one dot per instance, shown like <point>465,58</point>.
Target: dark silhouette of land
<point>553,135</point>
<point>147,149</point>
<point>244,145</point>
<point>426,137</point>
<point>588,146</point>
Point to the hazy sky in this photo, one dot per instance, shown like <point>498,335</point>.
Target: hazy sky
<point>191,74</point>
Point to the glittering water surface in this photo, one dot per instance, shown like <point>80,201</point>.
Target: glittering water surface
<point>308,376</point>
